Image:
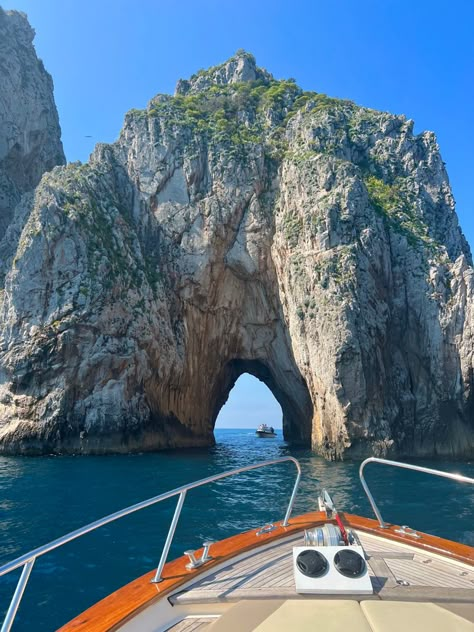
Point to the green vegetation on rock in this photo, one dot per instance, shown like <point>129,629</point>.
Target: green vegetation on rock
<point>229,113</point>
<point>292,227</point>
<point>237,114</point>
<point>397,206</point>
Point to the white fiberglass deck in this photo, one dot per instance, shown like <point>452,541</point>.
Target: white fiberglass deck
<point>334,616</point>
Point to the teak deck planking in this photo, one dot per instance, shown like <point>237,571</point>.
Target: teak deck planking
<point>269,574</point>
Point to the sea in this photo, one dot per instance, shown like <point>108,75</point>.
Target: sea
<point>42,498</point>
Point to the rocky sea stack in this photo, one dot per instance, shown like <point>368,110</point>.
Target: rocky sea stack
<point>30,137</point>
<point>241,225</point>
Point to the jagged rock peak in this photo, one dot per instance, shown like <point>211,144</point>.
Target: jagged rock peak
<point>240,68</point>
<point>17,22</point>
<point>30,136</point>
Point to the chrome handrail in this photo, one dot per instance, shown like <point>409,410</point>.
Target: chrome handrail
<point>417,468</point>
<point>28,559</point>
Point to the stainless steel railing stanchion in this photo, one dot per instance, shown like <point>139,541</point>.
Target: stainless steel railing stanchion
<point>169,538</point>
<point>404,466</point>
<point>15,602</point>
<point>293,496</point>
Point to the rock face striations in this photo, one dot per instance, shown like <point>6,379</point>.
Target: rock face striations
<point>242,225</point>
<point>30,137</point>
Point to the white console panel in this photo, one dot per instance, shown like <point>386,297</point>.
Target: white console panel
<point>332,581</point>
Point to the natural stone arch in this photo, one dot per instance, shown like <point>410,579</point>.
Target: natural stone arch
<point>295,403</point>
<point>292,241</point>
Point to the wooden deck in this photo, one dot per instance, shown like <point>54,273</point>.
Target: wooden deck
<point>397,571</point>
<point>192,624</point>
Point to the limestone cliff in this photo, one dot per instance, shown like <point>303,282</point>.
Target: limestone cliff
<point>242,225</point>
<point>30,137</point>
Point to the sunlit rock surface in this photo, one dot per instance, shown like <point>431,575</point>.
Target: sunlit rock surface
<point>242,225</point>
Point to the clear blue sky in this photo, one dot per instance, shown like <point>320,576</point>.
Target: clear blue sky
<point>412,57</point>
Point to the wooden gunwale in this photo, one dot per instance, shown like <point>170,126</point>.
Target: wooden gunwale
<point>120,606</point>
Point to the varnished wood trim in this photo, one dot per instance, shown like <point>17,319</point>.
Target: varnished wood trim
<point>113,611</point>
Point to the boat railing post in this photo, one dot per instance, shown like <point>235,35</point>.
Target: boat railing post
<point>405,466</point>
<point>293,495</point>
<point>169,538</point>
<point>382,524</point>
<point>15,602</point>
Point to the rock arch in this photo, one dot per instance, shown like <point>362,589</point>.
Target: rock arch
<point>292,395</point>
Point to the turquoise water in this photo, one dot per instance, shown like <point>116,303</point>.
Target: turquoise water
<point>43,498</point>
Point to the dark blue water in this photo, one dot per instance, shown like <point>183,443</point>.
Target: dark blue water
<point>43,498</point>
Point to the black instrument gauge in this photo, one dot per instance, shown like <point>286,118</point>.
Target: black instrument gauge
<point>349,563</point>
<point>312,563</point>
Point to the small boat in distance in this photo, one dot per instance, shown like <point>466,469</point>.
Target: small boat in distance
<point>265,431</point>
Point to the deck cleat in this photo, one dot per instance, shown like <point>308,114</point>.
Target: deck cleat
<point>268,528</point>
<point>205,554</point>
<point>193,562</point>
<point>406,530</point>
